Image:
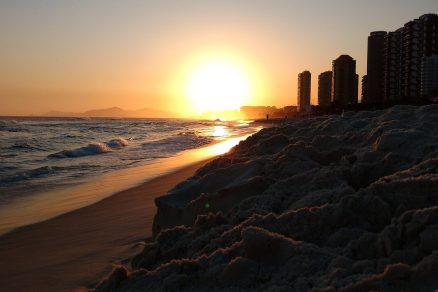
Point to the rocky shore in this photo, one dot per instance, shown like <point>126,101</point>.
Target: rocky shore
<point>330,203</point>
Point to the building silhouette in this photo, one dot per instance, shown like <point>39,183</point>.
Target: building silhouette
<point>405,64</point>
<point>375,64</point>
<point>257,112</point>
<point>365,92</point>
<point>412,52</point>
<point>429,71</point>
<point>324,89</point>
<point>430,34</point>
<point>392,66</point>
<point>428,64</point>
<point>304,82</point>
<point>344,81</point>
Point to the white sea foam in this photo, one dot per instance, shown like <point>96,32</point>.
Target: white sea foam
<point>78,150</point>
<point>92,149</point>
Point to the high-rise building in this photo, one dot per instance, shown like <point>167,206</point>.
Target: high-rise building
<point>403,54</point>
<point>365,91</point>
<point>429,61</point>
<point>324,88</point>
<point>419,39</point>
<point>304,82</point>
<point>344,81</point>
<point>392,66</point>
<point>412,52</point>
<point>430,34</point>
<point>375,64</point>
<point>429,71</point>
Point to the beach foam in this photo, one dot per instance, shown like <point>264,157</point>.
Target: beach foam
<point>329,203</point>
<point>92,149</point>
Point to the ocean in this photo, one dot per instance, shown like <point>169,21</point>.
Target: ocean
<point>40,156</point>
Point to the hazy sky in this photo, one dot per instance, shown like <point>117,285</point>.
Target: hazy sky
<point>75,55</point>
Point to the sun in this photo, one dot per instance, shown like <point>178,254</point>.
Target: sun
<point>218,85</point>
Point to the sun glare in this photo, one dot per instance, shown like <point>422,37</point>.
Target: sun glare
<point>218,86</point>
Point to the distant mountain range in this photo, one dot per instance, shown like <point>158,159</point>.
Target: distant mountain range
<point>116,112</point>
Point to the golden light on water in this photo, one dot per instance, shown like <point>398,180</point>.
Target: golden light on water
<point>223,147</point>
<point>220,131</point>
<point>52,203</point>
<point>218,85</point>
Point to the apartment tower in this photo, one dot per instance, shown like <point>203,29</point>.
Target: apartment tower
<point>392,66</point>
<point>429,82</point>
<point>324,89</point>
<point>344,81</point>
<point>375,64</point>
<point>304,82</point>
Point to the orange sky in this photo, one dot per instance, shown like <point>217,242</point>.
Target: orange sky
<point>81,55</point>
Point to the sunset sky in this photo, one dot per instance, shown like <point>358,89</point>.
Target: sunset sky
<point>87,54</point>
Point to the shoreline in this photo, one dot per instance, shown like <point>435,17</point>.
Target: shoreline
<point>336,203</point>
<point>49,205</point>
<point>76,249</point>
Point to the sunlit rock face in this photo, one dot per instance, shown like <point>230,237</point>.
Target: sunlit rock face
<point>320,204</point>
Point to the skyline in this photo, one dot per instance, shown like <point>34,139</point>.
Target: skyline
<point>85,55</point>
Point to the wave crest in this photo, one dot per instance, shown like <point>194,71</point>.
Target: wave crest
<point>28,174</point>
<point>92,149</point>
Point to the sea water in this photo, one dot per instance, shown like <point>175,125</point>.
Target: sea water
<point>58,156</point>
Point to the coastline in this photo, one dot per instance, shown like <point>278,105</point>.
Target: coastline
<point>73,250</point>
<point>105,226</point>
<point>335,203</point>
<point>48,205</point>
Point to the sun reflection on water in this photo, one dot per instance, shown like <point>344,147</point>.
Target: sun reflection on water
<point>223,147</point>
<point>220,131</point>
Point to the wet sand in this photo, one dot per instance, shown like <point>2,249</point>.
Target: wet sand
<point>74,250</point>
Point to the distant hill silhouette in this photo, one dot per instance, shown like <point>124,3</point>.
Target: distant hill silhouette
<point>116,112</point>
<point>61,114</point>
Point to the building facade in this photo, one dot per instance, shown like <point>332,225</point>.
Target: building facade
<point>429,83</point>
<point>375,65</point>
<point>411,52</point>
<point>324,88</point>
<point>365,92</point>
<point>392,66</point>
<point>404,52</point>
<point>430,34</point>
<point>344,81</point>
<point>304,83</point>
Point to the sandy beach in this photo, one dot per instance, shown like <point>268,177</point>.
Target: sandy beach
<point>207,146</point>
<point>331,203</point>
<point>74,250</point>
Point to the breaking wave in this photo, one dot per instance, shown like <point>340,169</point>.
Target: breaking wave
<point>28,174</point>
<point>92,149</point>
